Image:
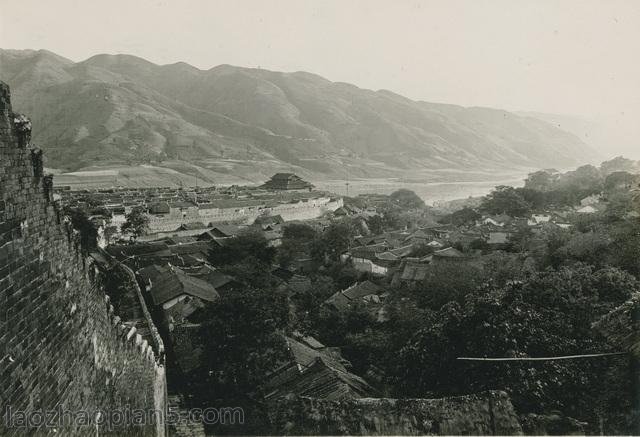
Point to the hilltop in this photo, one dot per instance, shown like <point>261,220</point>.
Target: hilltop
<point>121,110</point>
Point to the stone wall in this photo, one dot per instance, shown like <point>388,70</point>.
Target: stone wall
<point>65,358</point>
<point>303,210</point>
<point>488,413</point>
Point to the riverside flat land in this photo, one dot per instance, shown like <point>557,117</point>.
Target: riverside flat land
<point>431,186</point>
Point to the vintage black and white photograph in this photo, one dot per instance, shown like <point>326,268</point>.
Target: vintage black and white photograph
<point>319,217</point>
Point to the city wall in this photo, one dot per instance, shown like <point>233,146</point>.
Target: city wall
<point>67,363</point>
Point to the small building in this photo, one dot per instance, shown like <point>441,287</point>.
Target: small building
<point>286,181</point>
<point>316,371</point>
<point>192,226</point>
<point>414,270</point>
<point>539,218</point>
<point>450,254</point>
<point>178,294</point>
<point>498,237</point>
<point>159,208</point>
<point>221,282</point>
<point>364,292</point>
<point>218,232</point>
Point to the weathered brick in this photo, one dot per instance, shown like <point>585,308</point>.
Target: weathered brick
<point>49,357</point>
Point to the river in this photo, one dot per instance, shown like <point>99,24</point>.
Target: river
<point>430,192</point>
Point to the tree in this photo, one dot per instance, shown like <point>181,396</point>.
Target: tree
<point>248,244</point>
<point>588,247</point>
<point>308,305</point>
<point>619,163</point>
<point>137,222</point>
<point>80,222</point>
<point>619,180</point>
<point>376,224</point>
<point>625,246</point>
<point>542,180</point>
<point>448,282</point>
<point>248,258</point>
<point>461,217</point>
<point>580,183</point>
<point>406,199</point>
<point>298,232</point>
<point>421,249</point>
<point>548,314</point>
<point>334,241</point>
<point>505,200</point>
<point>241,343</point>
<point>619,205</point>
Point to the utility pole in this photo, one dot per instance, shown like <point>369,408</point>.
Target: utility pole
<point>347,184</point>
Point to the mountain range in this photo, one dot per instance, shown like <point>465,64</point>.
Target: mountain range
<point>121,110</point>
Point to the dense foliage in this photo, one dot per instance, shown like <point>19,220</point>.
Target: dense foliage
<point>137,222</point>
<point>538,295</point>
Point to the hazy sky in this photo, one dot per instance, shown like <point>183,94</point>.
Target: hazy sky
<point>560,56</point>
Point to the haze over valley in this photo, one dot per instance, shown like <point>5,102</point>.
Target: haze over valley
<point>122,120</point>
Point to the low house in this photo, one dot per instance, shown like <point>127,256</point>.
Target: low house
<point>178,239</point>
<point>401,252</point>
<point>315,371</point>
<point>140,254</point>
<point>498,238</point>
<point>443,232</point>
<point>159,208</point>
<point>176,293</point>
<point>539,218</point>
<point>420,236</point>
<point>192,226</point>
<point>197,249</point>
<point>220,281</point>
<point>494,220</point>
<point>448,255</point>
<point>371,240</point>
<point>220,231</point>
<point>366,259</point>
<point>414,269</point>
<point>465,238</point>
<point>360,293</point>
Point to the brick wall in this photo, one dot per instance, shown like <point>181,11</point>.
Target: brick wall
<point>61,346</point>
<point>487,413</point>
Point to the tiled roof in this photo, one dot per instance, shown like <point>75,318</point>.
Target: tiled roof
<point>361,289</point>
<point>317,373</point>
<point>414,272</point>
<point>197,248</point>
<point>141,249</point>
<point>449,252</point>
<point>170,282</point>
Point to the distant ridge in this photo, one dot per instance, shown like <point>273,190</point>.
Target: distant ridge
<point>122,110</point>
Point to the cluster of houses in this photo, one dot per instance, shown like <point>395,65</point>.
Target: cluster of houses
<point>173,270</point>
<point>392,254</point>
<point>190,211</point>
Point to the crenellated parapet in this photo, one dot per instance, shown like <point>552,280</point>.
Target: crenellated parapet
<point>22,128</point>
<point>60,342</point>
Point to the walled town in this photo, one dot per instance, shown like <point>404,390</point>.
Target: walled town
<point>315,314</point>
